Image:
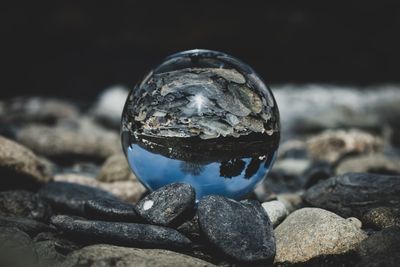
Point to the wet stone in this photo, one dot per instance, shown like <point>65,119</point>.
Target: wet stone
<point>71,198</point>
<point>117,233</point>
<point>241,230</point>
<point>167,204</point>
<point>111,210</point>
<point>24,204</point>
<point>353,194</point>
<point>29,226</point>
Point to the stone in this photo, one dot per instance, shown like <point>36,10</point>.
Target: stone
<point>106,255</point>
<point>111,210</point>
<point>294,167</point>
<point>69,197</point>
<point>382,217</point>
<point>66,143</point>
<point>48,254</point>
<point>332,145</point>
<point>20,168</point>
<point>36,109</point>
<point>241,230</point>
<point>16,248</point>
<point>292,201</point>
<point>117,233</point>
<point>109,106</point>
<point>116,168</point>
<point>375,163</point>
<point>317,172</point>
<point>129,191</point>
<point>24,204</point>
<point>312,232</point>
<point>29,226</point>
<point>276,211</point>
<point>191,228</point>
<point>167,204</point>
<point>380,249</point>
<point>352,194</point>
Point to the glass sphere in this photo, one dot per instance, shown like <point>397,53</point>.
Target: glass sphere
<point>205,118</point>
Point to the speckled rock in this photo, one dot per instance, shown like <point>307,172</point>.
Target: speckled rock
<point>47,253</point>
<point>276,211</point>
<point>167,204</point>
<point>111,210</point>
<point>66,142</point>
<point>352,194</point>
<point>105,255</point>
<point>376,163</point>
<point>334,144</point>
<point>69,197</point>
<point>241,230</point>
<point>311,232</point>
<point>115,168</point>
<point>29,226</point>
<point>117,233</point>
<point>380,249</point>
<point>16,248</point>
<point>130,191</point>
<point>24,204</point>
<point>382,217</point>
<point>20,167</point>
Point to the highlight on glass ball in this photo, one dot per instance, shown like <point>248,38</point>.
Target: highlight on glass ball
<point>205,118</point>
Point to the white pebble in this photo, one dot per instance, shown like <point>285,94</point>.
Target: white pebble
<point>148,204</point>
<point>276,211</point>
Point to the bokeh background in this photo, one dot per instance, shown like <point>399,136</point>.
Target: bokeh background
<point>75,49</point>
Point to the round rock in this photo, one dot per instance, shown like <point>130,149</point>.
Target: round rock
<point>276,211</point>
<point>311,232</point>
<point>241,230</point>
<point>111,210</point>
<point>382,217</point>
<point>168,204</point>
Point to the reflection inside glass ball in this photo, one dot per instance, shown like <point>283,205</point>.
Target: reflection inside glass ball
<point>204,118</point>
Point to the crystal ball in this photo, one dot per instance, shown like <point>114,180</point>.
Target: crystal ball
<point>201,117</point>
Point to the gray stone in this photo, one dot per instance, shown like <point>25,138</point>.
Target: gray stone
<point>333,145</point>
<point>352,194</point>
<point>382,217</point>
<point>311,232</point>
<point>129,191</point>
<point>167,204</point>
<point>117,233</point>
<point>376,163</point>
<point>241,230</point>
<point>380,249</point>
<point>71,198</point>
<point>48,254</point>
<point>115,168</point>
<point>29,226</point>
<point>111,210</point>
<point>67,143</point>
<point>276,211</point>
<point>107,255</point>
<point>24,204</point>
<point>20,167</point>
<point>16,248</point>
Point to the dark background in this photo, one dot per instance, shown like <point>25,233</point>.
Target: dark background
<point>77,48</point>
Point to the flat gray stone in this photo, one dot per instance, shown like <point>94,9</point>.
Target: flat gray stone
<point>241,230</point>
